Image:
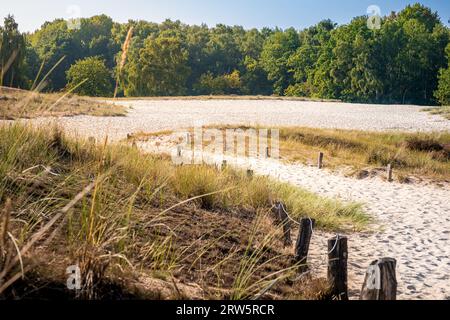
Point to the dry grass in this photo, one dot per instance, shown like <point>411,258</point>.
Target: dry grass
<point>414,156</point>
<point>130,220</point>
<point>443,111</point>
<point>15,104</point>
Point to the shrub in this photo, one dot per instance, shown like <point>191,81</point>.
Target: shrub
<point>90,77</point>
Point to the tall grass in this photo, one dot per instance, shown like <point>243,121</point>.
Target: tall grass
<point>109,208</point>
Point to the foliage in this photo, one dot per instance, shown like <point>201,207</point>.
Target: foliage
<point>402,62</point>
<point>90,77</point>
<point>442,93</point>
<point>12,52</point>
<point>224,84</point>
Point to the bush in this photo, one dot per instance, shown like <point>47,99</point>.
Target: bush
<point>90,77</point>
<point>224,84</point>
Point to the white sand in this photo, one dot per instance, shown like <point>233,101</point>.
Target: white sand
<point>157,115</point>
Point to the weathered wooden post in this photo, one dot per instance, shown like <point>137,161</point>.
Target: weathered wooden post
<point>337,267</point>
<point>303,241</point>
<point>389,172</point>
<point>267,152</point>
<point>249,173</point>
<point>224,164</point>
<point>282,216</point>
<point>381,281</point>
<point>320,160</point>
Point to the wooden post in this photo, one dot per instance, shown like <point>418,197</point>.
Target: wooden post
<point>188,139</point>
<point>249,173</point>
<point>267,152</point>
<point>179,151</point>
<point>337,267</point>
<point>389,172</point>
<point>303,241</point>
<point>224,164</point>
<point>381,281</point>
<point>280,211</point>
<point>320,160</point>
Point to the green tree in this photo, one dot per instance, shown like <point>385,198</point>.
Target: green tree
<point>275,56</point>
<point>56,46</point>
<point>12,53</point>
<point>164,70</point>
<point>442,93</point>
<point>90,77</point>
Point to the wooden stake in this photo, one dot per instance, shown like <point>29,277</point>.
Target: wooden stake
<point>320,160</point>
<point>381,281</point>
<point>337,267</point>
<point>303,241</point>
<point>280,210</point>
<point>389,172</point>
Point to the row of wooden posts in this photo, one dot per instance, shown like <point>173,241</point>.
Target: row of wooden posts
<point>380,282</point>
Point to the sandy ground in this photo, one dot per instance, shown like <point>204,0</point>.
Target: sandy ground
<point>412,221</point>
<point>157,115</point>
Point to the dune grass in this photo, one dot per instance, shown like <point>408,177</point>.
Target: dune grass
<point>16,104</point>
<point>363,153</point>
<point>443,111</point>
<point>113,210</point>
<point>411,154</point>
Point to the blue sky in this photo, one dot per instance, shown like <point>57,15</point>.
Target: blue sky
<point>249,13</point>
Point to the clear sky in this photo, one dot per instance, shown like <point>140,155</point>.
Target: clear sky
<point>248,13</point>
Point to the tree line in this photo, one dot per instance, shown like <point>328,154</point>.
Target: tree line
<point>405,60</point>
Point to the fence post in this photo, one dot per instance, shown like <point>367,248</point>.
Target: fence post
<point>303,241</point>
<point>267,152</point>
<point>320,160</point>
<point>337,267</point>
<point>280,211</point>
<point>380,282</point>
<point>188,139</point>
<point>249,173</point>
<point>224,164</point>
<point>389,172</point>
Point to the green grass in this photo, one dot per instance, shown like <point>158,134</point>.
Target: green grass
<point>140,212</point>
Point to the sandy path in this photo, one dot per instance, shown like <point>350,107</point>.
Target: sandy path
<point>411,223</point>
<point>157,115</point>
